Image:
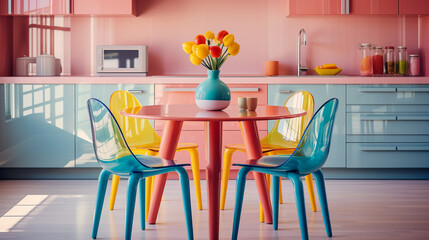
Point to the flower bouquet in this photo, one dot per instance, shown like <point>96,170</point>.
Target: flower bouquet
<point>212,52</point>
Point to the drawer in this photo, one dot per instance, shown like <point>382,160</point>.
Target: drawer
<point>383,108</point>
<point>185,94</point>
<point>388,94</point>
<point>387,155</point>
<point>388,124</point>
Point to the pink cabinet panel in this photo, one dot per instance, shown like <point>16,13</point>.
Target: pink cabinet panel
<point>413,7</point>
<point>373,7</point>
<point>185,94</point>
<point>313,7</point>
<point>39,7</point>
<point>104,7</point>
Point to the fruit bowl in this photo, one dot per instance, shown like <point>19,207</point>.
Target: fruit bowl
<point>327,71</point>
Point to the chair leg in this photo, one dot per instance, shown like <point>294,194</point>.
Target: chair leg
<point>276,181</point>
<point>261,211</point>
<point>114,190</point>
<point>186,195</point>
<point>142,185</point>
<point>241,183</point>
<point>149,187</point>
<point>226,168</point>
<point>309,180</point>
<point>300,204</point>
<point>195,164</point>
<point>271,153</point>
<point>102,185</point>
<point>131,201</point>
<point>320,180</point>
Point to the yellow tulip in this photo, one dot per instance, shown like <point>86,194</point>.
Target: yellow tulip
<point>194,59</point>
<point>209,35</point>
<point>202,51</point>
<point>228,40</point>
<point>187,47</point>
<point>234,48</point>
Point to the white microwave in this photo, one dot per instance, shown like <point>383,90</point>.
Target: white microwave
<point>122,59</point>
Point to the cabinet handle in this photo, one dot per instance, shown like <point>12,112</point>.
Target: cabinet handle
<point>378,118</point>
<point>385,90</point>
<point>413,148</point>
<point>345,7</point>
<point>376,149</point>
<point>9,8</point>
<point>413,118</point>
<point>136,91</point>
<point>285,91</point>
<point>244,89</point>
<point>413,89</point>
<point>179,89</point>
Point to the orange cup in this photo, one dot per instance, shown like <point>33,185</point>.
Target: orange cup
<point>271,68</point>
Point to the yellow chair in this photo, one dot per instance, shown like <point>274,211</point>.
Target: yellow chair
<point>143,140</point>
<point>283,138</point>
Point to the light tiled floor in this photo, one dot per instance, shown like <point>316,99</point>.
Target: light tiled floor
<point>360,209</point>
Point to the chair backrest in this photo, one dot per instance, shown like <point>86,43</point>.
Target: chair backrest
<point>137,132</point>
<point>313,148</point>
<point>289,131</point>
<point>110,148</point>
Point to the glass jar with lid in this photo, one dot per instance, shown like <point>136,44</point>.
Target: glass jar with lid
<point>377,61</point>
<point>390,60</point>
<point>365,51</point>
<point>402,63</point>
<point>414,65</point>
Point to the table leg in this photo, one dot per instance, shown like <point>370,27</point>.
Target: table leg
<point>254,152</point>
<point>169,141</point>
<point>213,141</point>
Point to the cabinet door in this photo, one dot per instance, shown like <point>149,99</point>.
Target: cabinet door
<point>277,95</point>
<point>84,150</point>
<point>413,7</point>
<point>313,7</point>
<point>37,7</point>
<point>104,7</point>
<point>373,7</point>
<point>37,126</point>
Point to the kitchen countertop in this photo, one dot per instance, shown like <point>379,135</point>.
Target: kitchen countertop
<point>193,79</point>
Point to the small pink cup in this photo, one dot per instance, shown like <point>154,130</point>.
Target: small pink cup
<point>252,103</point>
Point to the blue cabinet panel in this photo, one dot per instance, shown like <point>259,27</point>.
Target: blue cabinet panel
<point>387,155</point>
<point>388,94</point>
<point>84,151</point>
<point>37,126</point>
<point>277,95</point>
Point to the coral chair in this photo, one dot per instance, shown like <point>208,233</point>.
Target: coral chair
<point>309,156</point>
<point>115,157</point>
<point>143,140</point>
<point>282,139</point>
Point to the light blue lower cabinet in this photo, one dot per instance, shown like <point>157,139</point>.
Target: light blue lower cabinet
<point>37,126</point>
<point>84,150</point>
<point>387,155</point>
<point>278,93</point>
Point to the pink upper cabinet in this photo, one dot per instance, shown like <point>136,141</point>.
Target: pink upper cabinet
<point>313,7</point>
<point>104,7</point>
<point>413,7</point>
<point>37,7</point>
<point>368,7</point>
<point>337,7</point>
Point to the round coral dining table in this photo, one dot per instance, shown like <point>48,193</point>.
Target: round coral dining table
<point>176,114</point>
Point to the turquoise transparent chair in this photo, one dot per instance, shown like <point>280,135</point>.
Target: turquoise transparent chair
<point>308,158</point>
<point>115,157</point>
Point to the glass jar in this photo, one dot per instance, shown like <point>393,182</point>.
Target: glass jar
<point>377,61</point>
<point>414,65</point>
<point>365,51</point>
<point>402,64</point>
<point>390,60</point>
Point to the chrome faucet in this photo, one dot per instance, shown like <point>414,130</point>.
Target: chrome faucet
<point>301,68</point>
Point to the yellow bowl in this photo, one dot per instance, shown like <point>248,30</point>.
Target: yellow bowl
<point>328,71</point>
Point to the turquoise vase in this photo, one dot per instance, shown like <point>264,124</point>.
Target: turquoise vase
<point>212,94</point>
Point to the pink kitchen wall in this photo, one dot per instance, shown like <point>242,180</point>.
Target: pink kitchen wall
<point>260,27</point>
<point>6,31</point>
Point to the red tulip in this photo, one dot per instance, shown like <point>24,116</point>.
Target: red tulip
<point>215,51</point>
<point>200,39</point>
<point>221,35</point>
